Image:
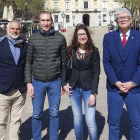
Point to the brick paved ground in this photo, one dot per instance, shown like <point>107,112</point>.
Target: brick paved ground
<point>66,120</point>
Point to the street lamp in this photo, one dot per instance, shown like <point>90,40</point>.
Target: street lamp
<point>73,16</point>
<point>110,14</point>
<point>99,16</point>
<point>63,16</point>
<point>25,4</point>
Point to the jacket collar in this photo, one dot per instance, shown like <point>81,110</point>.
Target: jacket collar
<point>42,32</point>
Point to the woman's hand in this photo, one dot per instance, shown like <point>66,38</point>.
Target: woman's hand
<point>62,91</point>
<point>92,100</point>
<point>66,89</point>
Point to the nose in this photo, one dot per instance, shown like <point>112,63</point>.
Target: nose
<point>15,30</point>
<point>82,36</point>
<point>45,22</point>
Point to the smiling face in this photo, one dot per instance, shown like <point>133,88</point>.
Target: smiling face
<point>82,36</point>
<point>124,21</point>
<point>46,22</point>
<point>13,30</point>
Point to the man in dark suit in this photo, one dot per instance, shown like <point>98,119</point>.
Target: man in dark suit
<point>121,59</point>
<point>12,85</point>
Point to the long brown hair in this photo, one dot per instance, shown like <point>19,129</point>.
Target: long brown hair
<point>89,46</point>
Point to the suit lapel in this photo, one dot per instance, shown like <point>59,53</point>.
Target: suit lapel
<point>118,42</point>
<point>75,59</point>
<point>129,43</point>
<point>8,50</point>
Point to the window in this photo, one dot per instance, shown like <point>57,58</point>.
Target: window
<point>104,4</point>
<point>55,18</point>
<point>67,18</point>
<point>104,17</point>
<point>85,4</point>
<point>55,5</point>
<point>116,4</point>
<point>45,6</point>
<point>67,5</point>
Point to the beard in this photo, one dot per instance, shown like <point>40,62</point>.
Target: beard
<point>13,36</point>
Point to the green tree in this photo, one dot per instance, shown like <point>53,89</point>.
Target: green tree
<point>33,9</point>
<point>133,5</point>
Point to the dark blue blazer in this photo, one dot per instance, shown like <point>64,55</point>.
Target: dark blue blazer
<point>11,75</point>
<point>122,64</point>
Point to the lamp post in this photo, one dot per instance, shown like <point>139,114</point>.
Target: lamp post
<point>110,14</point>
<point>99,16</point>
<point>73,16</point>
<point>63,16</point>
<point>25,4</point>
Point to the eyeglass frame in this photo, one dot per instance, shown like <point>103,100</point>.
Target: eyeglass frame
<point>125,18</point>
<point>80,35</point>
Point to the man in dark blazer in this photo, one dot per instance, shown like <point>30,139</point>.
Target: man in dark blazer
<point>121,60</point>
<point>12,85</point>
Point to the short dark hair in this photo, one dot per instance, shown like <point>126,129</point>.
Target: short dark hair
<point>45,12</point>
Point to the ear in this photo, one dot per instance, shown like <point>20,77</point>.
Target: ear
<point>6,29</point>
<point>131,19</point>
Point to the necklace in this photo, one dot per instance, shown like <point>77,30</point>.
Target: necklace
<point>80,56</point>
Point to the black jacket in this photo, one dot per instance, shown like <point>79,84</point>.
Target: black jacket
<point>45,56</point>
<point>89,72</point>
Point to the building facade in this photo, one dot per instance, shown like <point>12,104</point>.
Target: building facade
<point>93,13</point>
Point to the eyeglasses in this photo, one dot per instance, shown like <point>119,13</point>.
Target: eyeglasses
<point>82,35</point>
<point>123,18</point>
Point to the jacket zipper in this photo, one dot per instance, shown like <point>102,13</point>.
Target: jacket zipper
<point>47,58</point>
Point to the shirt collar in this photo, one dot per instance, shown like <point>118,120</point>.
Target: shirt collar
<point>128,33</point>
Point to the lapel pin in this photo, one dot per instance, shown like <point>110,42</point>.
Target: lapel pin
<point>132,37</point>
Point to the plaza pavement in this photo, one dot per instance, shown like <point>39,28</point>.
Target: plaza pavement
<point>66,131</point>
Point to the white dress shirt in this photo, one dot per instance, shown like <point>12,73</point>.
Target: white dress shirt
<point>127,35</point>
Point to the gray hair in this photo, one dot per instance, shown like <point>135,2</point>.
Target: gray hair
<point>122,10</point>
<point>8,25</point>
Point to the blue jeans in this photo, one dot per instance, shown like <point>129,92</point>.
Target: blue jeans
<point>115,106</point>
<point>76,103</point>
<point>53,90</point>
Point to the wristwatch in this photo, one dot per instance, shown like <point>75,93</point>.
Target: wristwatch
<point>133,84</point>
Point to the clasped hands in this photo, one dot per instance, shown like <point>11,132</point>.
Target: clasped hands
<point>124,87</point>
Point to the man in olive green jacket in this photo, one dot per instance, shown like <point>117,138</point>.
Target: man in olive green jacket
<point>46,53</point>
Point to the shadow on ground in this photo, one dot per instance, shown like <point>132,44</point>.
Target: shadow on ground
<point>66,125</point>
<point>125,125</point>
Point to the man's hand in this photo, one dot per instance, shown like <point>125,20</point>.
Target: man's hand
<point>128,86</point>
<point>66,89</point>
<point>30,90</point>
<point>122,87</point>
<point>119,85</point>
<point>91,101</point>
